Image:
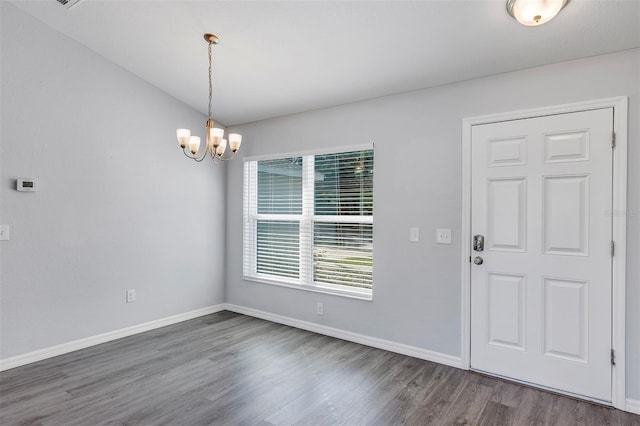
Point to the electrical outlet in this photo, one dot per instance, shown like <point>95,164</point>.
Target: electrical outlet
<point>414,235</point>
<point>320,308</point>
<point>443,236</point>
<point>131,296</point>
<point>4,232</point>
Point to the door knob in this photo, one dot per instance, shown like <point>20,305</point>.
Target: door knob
<point>478,260</point>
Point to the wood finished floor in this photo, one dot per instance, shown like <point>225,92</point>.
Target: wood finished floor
<point>228,368</point>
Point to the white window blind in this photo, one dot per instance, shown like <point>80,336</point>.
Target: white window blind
<point>308,221</point>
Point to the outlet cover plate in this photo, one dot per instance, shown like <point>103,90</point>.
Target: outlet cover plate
<point>414,235</point>
<point>4,232</point>
<point>443,236</point>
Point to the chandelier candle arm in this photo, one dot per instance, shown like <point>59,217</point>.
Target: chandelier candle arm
<point>215,144</point>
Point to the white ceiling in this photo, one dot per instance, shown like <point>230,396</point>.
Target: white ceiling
<point>281,57</point>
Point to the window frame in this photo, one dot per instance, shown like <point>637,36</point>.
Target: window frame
<point>306,222</point>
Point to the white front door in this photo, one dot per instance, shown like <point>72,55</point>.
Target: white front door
<point>541,299</point>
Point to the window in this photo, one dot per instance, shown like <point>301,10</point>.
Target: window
<point>308,221</point>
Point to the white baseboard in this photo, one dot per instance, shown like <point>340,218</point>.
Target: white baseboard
<point>50,352</point>
<point>633,406</point>
<point>387,345</point>
<point>39,355</point>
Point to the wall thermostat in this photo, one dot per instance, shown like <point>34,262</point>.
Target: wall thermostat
<point>27,185</point>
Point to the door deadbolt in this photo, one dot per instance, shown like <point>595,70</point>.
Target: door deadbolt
<point>478,243</point>
<point>478,260</point>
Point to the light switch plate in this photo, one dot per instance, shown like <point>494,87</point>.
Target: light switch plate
<point>414,235</point>
<point>4,232</point>
<point>27,185</point>
<point>443,236</point>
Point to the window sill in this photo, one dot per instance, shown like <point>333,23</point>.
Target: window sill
<point>352,294</point>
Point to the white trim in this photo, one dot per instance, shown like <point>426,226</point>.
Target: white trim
<point>316,288</point>
<point>334,150</point>
<point>304,279</point>
<point>615,102</point>
<point>316,218</point>
<point>620,108</point>
<point>465,243</point>
<point>633,406</point>
<point>374,342</point>
<point>50,352</point>
<point>619,235</point>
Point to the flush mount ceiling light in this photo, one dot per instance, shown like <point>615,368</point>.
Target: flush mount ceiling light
<point>215,145</point>
<point>534,12</point>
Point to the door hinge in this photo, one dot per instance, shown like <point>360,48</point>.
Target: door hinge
<point>469,259</point>
<point>613,357</point>
<point>613,248</point>
<point>613,139</point>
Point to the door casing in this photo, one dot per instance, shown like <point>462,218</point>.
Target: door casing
<point>620,108</point>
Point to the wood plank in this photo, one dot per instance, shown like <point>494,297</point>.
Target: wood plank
<point>227,368</point>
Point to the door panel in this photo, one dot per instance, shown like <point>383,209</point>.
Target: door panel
<point>565,217</point>
<point>566,304</point>
<point>506,152</point>
<point>506,214</point>
<point>506,306</point>
<point>566,147</point>
<point>541,300</point>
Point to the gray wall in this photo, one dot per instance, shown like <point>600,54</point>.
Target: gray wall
<point>417,139</point>
<point>119,206</point>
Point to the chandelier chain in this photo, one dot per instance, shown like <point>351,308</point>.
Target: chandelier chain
<point>210,78</point>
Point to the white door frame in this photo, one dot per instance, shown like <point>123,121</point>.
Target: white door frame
<point>619,105</point>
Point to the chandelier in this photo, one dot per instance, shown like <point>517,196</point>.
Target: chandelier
<point>216,145</point>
